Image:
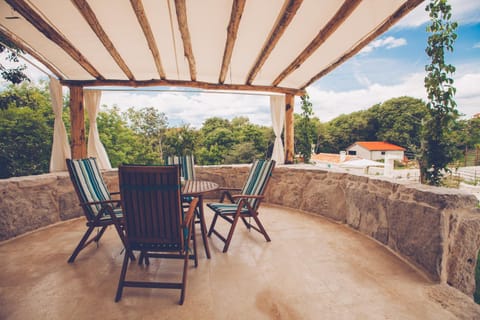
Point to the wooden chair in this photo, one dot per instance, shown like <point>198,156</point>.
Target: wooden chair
<point>99,208</point>
<point>155,223</point>
<point>243,205</point>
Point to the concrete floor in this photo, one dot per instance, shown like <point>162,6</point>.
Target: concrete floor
<point>312,269</point>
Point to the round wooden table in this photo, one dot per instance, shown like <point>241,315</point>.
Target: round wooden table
<point>198,188</point>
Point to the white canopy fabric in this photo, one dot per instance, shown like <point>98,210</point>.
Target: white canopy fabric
<point>277,110</point>
<point>266,44</point>
<point>95,147</point>
<point>60,146</point>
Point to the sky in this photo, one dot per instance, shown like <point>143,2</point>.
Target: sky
<point>390,66</point>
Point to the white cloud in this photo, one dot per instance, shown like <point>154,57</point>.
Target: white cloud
<point>388,42</point>
<point>330,104</point>
<point>194,107</point>
<point>463,11</point>
<point>477,45</point>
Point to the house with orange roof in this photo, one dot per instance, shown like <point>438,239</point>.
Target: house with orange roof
<point>375,150</point>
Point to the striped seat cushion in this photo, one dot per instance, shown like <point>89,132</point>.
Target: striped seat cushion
<point>225,208</point>
<point>89,183</point>
<point>257,179</point>
<point>186,163</point>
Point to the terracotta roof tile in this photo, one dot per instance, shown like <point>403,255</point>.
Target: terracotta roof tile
<point>379,146</point>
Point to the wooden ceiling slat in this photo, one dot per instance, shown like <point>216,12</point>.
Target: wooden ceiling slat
<point>400,13</point>
<point>232,30</point>
<point>182,83</point>
<point>340,16</point>
<point>93,22</point>
<point>285,17</point>
<point>181,10</point>
<point>34,18</point>
<point>147,31</point>
<point>21,44</point>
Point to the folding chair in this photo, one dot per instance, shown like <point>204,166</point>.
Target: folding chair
<point>155,223</point>
<point>186,163</point>
<point>99,208</point>
<point>244,205</point>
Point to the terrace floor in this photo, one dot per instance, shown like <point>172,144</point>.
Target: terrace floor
<point>312,269</point>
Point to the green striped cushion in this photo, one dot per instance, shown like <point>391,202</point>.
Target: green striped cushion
<point>187,163</point>
<point>89,183</point>
<point>257,179</point>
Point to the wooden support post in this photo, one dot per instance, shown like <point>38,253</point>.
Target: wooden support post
<point>77,120</point>
<point>289,130</point>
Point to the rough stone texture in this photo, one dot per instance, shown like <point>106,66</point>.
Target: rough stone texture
<point>462,252</point>
<point>436,229</point>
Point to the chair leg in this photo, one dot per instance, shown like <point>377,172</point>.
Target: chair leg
<point>128,252</point>
<point>212,225</point>
<point>81,244</point>
<point>100,234</point>
<point>230,233</point>
<point>184,279</point>
<point>123,273</point>
<point>194,244</point>
<point>262,229</point>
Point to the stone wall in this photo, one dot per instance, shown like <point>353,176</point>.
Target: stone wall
<point>436,229</point>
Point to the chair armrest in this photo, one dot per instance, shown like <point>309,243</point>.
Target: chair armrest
<point>227,192</point>
<point>247,196</point>
<point>190,213</point>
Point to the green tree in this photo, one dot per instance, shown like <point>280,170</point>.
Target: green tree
<point>26,130</point>
<point>437,149</point>
<point>398,121</point>
<point>305,129</point>
<point>180,141</point>
<point>123,145</point>
<point>16,74</point>
<point>151,125</point>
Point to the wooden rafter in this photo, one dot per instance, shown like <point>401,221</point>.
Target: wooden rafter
<point>285,17</point>
<point>232,30</point>
<point>340,16</point>
<point>26,48</point>
<point>147,31</point>
<point>181,83</point>
<point>181,10</point>
<point>90,17</point>
<point>34,18</point>
<point>387,23</point>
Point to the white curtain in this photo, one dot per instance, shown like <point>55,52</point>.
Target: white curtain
<point>277,110</point>
<point>95,147</point>
<point>60,146</point>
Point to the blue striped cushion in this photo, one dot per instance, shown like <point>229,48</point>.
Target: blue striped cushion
<point>89,182</point>
<point>257,179</point>
<point>187,165</point>
<point>225,207</point>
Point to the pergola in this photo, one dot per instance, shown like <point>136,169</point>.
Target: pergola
<point>277,46</point>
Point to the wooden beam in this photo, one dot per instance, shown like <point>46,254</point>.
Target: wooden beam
<point>48,31</point>
<point>286,16</point>
<point>181,10</point>
<point>289,129</point>
<point>400,13</point>
<point>77,120</point>
<point>232,30</point>
<point>181,83</point>
<point>147,31</point>
<point>91,18</point>
<point>22,45</point>
<point>336,21</point>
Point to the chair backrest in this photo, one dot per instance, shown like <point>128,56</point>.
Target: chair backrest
<point>152,208</point>
<point>186,163</point>
<point>257,180</point>
<point>88,183</point>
